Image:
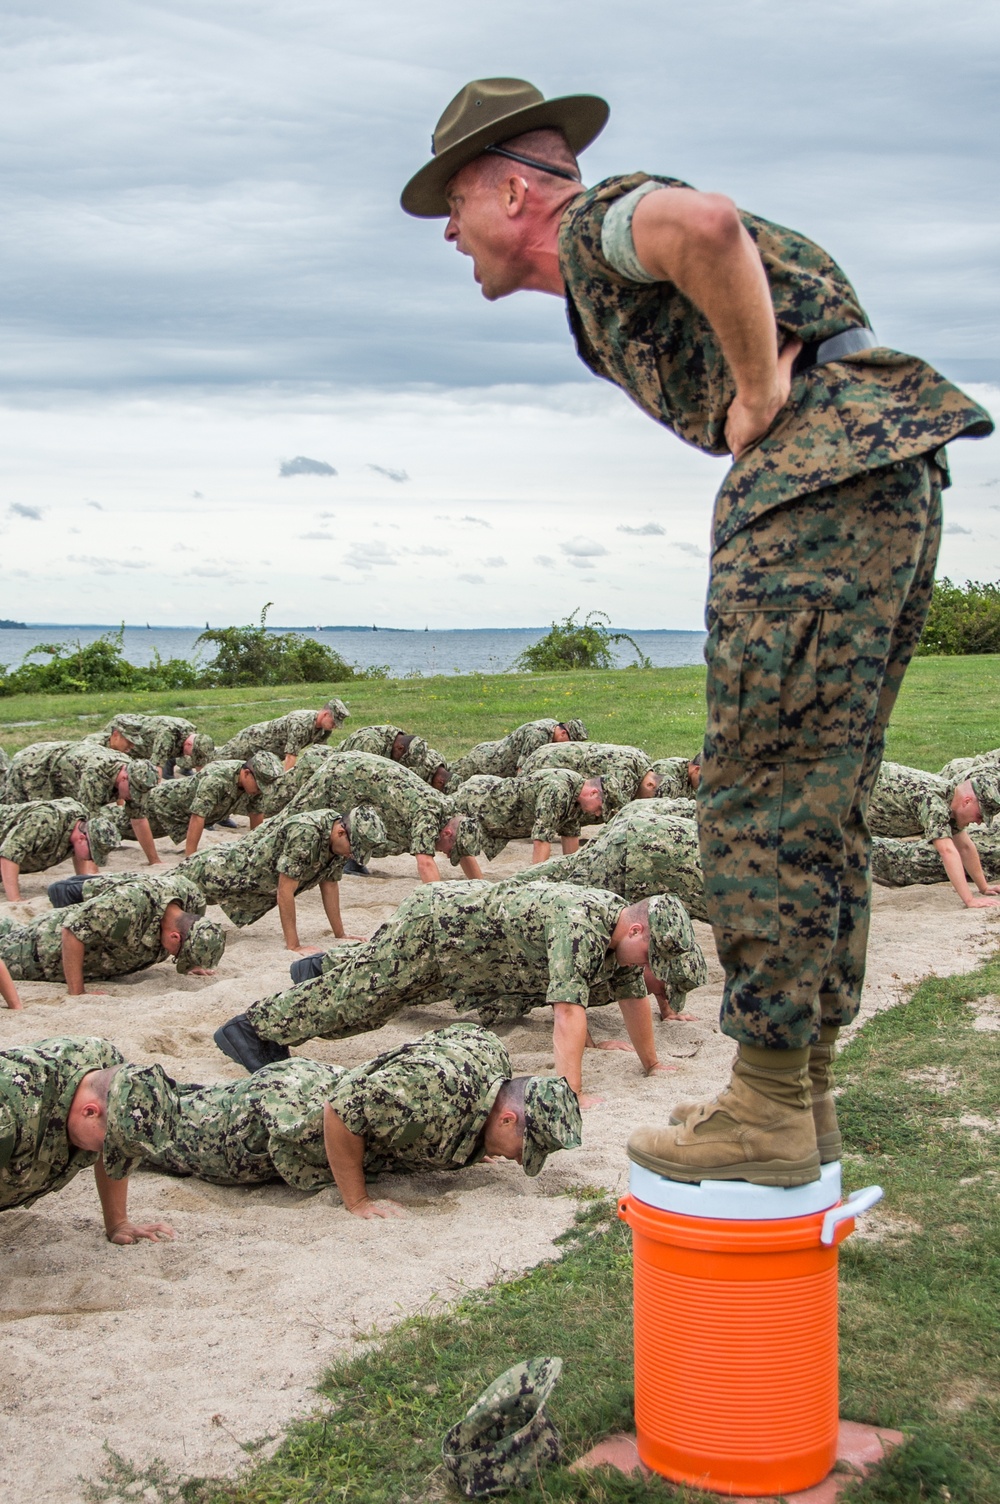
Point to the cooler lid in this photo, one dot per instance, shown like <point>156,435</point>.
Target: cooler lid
<point>737,1200</point>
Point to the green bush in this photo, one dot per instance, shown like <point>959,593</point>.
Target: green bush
<point>578,644</point>
<point>253,656</point>
<point>962,618</point>
<point>99,665</point>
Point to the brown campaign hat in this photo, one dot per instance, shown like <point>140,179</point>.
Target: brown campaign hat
<point>485,113</point>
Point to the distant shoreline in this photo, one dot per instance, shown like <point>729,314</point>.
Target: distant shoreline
<point>103,626</point>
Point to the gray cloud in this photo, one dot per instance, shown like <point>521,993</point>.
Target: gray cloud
<point>102,565</point>
<point>22,509</point>
<point>197,496</point>
<point>302,465</point>
<point>182,548</point>
<point>693,549</point>
<point>397,475</point>
<point>368,555</point>
<point>476,521</point>
<point>953,527</point>
<point>471,579</point>
<point>97,505</point>
<point>496,561</point>
<point>428,551</point>
<point>647,530</point>
<point>545,561</point>
<point>583,549</point>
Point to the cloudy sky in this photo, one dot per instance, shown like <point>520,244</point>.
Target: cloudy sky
<point>205,279</point>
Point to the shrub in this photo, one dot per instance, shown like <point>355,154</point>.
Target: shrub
<point>578,644</point>
<point>253,656</point>
<point>98,665</point>
<point>962,618</point>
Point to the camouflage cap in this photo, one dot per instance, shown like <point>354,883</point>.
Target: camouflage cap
<point>338,708</point>
<point>614,794</point>
<point>468,839</point>
<point>366,832</point>
<point>104,834</point>
<point>131,727</point>
<point>203,945</point>
<point>551,1120</point>
<point>142,776</point>
<point>663,952</point>
<point>684,972</point>
<point>986,787</point>
<point>505,1438</point>
<point>143,1107</point>
<point>577,730</point>
<point>202,747</point>
<point>265,767</point>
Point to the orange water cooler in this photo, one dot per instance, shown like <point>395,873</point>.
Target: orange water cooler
<point>736,1328</point>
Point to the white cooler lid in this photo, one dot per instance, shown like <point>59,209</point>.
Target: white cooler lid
<point>737,1200</point>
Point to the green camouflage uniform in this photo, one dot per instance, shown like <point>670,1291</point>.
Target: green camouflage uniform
<point>503,758</point>
<point>538,806</point>
<point>36,835</point>
<point>909,802</point>
<point>676,779</point>
<point>621,767</point>
<point>76,770</point>
<point>422,1106</point>
<point>646,849</point>
<point>962,767</point>
<point>899,864</point>
<point>161,738</point>
<point>137,729</point>
<point>118,923</point>
<point>286,737</point>
<point>242,878</point>
<point>413,813</point>
<point>499,949</point>
<point>379,740</point>
<point>37,1085</point>
<point>214,793</point>
<point>824,540</point>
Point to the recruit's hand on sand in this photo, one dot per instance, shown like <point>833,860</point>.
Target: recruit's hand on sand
<point>369,1209</point>
<point>202,971</point>
<point>304,950</point>
<point>133,1232</point>
<point>981,900</point>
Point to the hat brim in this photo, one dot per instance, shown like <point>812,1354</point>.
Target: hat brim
<point>580,117</point>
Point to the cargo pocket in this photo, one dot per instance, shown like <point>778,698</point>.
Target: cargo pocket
<point>780,656</point>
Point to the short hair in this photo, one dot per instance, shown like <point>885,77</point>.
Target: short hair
<point>510,1097</point>
<point>695,761</point>
<point>97,1083</point>
<point>184,923</point>
<point>652,773</point>
<point>547,144</point>
<point>638,913</point>
<point>406,737</point>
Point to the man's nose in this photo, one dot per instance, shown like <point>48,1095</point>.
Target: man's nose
<point>451,229</point>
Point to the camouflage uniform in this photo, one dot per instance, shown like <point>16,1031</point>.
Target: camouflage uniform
<point>379,740</point>
<point>37,1085</point>
<point>499,949</point>
<point>242,878</point>
<point>286,737</point>
<point>503,758</point>
<point>118,923</point>
<point>962,767</point>
<point>412,812</point>
<point>137,729</point>
<point>78,770</point>
<point>824,536</point>
<point>622,768</point>
<point>161,738</point>
<point>909,802</point>
<point>676,778</point>
<point>646,849</point>
<point>899,864</point>
<point>36,835</point>
<point>422,1106</point>
<point>214,793</point>
<point>538,806</point>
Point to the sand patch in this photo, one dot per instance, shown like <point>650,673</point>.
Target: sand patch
<point>143,1347</point>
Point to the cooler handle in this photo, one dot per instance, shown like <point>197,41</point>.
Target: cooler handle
<point>856,1203</point>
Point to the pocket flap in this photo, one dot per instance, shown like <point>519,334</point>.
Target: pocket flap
<point>786,590</point>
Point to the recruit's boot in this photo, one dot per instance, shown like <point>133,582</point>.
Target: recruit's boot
<point>759,1129</point>
<point>240,1041</point>
<point>824,1104</point>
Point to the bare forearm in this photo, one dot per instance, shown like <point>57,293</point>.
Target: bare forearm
<point>639,1025</point>
<point>955,868</point>
<point>569,1037</point>
<point>8,991</point>
<point>427,870</point>
<point>330,894</point>
<point>345,1154</point>
<point>287,887</point>
<point>195,831</point>
<point>966,848</point>
<point>143,834</point>
<point>72,963</point>
<point>10,872</point>
<point>114,1199</point>
<point>540,852</point>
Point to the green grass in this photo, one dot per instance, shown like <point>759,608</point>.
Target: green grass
<point>919,1347</point>
<point>947,708</point>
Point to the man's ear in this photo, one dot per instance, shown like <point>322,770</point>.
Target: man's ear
<point>507,1116</point>
<point>515,193</point>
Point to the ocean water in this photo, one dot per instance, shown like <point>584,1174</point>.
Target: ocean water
<point>461,651</point>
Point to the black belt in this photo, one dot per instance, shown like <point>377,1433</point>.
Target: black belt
<point>819,352</point>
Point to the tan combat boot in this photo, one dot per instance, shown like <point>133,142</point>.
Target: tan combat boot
<point>759,1129</point>
<point>824,1104</point>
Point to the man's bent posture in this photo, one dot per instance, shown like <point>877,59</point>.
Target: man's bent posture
<point>439,1104</point>
<point>53,1116</point>
<point>501,759</point>
<point>287,736</point>
<point>744,337</point>
<point>910,802</point>
<point>44,832</point>
<point>498,949</point>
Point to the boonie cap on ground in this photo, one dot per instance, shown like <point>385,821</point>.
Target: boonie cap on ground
<point>551,1120</point>
<point>505,1438</point>
<point>485,113</point>
<point>203,946</point>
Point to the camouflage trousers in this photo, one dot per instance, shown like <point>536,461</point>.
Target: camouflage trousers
<point>362,986</point>
<point>18,952</point>
<point>900,864</point>
<point>813,614</point>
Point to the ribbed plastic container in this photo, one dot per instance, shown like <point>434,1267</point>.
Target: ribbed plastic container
<point>736,1329</point>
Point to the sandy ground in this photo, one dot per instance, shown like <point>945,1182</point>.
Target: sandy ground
<point>175,1350</point>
